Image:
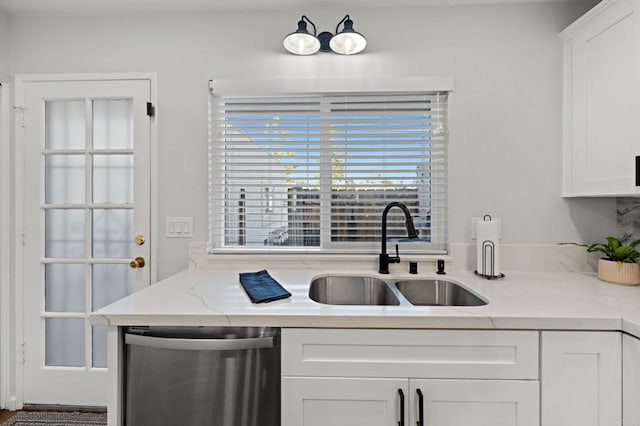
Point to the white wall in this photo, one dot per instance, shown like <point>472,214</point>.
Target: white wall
<point>4,152</point>
<point>505,112</point>
<point>4,47</point>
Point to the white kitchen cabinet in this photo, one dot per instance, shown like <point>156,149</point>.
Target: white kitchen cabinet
<point>356,377</point>
<point>475,402</point>
<point>601,137</point>
<point>581,378</point>
<point>323,401</point>
<point>630,380</point>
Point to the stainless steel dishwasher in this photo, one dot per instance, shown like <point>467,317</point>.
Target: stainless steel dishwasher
<point>200,376</point>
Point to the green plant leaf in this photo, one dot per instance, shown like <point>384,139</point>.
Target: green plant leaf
<point>623,252</point>
<point>613,242</point>
<point>573,244</point>
<point>601,248</point>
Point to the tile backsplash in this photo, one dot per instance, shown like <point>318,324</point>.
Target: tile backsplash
<point>628,219</point>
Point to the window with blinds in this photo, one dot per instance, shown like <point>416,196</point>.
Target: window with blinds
<point>314,172</point>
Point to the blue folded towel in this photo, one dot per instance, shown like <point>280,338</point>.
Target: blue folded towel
<point>261,287</point>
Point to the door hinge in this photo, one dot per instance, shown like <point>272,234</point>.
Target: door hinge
<point>21,237</point>
<point>151,110</point>
<point>19,115</point>
<point>22,353</point>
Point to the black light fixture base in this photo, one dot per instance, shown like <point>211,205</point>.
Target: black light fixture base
<point>324,38</point>
<point>489,277</point>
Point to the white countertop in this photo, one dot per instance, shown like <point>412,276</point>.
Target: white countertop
<point>521,300</point>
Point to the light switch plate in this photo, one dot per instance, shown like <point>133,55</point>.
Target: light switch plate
<point>179,227</point>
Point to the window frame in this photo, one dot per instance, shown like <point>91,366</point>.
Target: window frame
<point>235,88</point>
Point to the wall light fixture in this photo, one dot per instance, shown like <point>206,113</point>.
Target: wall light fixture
<point>348,41</point>
<point>345,42</point>
<point>301,42</point>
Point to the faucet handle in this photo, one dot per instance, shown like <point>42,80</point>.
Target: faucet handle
<point>396,258</point>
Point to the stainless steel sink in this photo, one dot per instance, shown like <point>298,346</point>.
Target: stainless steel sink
<point>354,290</point>
<point>437,293</point>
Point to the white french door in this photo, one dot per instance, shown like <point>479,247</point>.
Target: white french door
<point>86,216</point>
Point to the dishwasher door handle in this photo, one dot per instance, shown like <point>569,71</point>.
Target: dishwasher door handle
<point>199,344</point>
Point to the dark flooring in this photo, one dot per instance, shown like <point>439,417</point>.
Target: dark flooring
<point>6,415</point>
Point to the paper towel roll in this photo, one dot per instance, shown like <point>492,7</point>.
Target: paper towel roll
<point>488,233</point>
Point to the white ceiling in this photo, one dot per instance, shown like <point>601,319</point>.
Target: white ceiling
<point>45,7</point>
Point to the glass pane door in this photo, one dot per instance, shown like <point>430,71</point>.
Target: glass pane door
<point>86,197</point>
<point>87,211</point>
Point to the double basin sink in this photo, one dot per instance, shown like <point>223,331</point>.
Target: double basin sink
<point>361,290</point>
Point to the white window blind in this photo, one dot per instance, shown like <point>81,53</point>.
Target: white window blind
<point>314,172</point>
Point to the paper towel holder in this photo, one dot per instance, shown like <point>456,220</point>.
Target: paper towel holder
<point>488,249</point>
<point>488,253</point>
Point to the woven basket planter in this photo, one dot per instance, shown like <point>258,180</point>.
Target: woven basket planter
<point>619,272</point>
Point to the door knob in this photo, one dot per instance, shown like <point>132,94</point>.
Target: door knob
<point>138,262</point>
<point>139,240</point>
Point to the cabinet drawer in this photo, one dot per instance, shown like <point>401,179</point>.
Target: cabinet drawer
<point>410,353</point>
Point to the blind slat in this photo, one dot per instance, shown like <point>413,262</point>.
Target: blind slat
<point>296,123</point>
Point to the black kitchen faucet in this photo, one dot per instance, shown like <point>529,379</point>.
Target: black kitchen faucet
<point>385,259</point>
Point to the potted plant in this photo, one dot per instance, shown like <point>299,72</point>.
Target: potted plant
<point>620,264</point>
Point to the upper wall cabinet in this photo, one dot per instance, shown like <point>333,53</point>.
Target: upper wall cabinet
<point>601,134</point>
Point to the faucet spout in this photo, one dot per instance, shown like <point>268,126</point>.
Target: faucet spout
<point>385,259</point>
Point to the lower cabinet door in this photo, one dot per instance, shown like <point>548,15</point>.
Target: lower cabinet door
<point>326,401</point>
<point>581,378</point>
<point>474,402</point>
<point>630,381</point>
